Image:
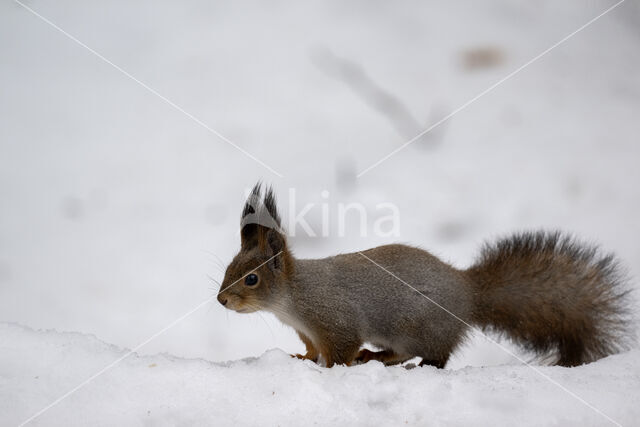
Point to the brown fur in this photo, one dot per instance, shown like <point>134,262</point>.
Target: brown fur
<point>542,290</point>
<point>549,292</point>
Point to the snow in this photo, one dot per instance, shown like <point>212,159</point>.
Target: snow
<point>274,389</point>
<point>115,208</point>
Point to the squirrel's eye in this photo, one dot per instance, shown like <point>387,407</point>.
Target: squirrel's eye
<point>251,279</point>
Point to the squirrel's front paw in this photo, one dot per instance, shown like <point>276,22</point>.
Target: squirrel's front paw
<point>304,357</point>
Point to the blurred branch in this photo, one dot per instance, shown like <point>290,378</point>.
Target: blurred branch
<point>354,76</point>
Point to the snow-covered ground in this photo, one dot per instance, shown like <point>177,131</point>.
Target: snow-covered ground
<point>275,389</point>
<point>115,208</point>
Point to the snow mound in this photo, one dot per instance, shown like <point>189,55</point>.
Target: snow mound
<point>37,367</point>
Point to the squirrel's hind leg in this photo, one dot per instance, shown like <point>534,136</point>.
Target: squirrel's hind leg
<point>339,350</point>
<point>440,364</point>
<point>388,357</point>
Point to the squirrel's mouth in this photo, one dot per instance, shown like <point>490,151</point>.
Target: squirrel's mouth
<point>239,304</point>
<point>245,310</point>
<point>240,307</point>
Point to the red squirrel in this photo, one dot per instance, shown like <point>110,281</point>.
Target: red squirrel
<point>544,290</point>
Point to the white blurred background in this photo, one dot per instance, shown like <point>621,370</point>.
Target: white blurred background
<point>115,208</point>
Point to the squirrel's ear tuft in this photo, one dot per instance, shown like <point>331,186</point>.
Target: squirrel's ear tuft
<point>248,226</point>
<point>271,206</point>
<point>253,201</point>
<point>258,218</point>
<point>260,227</point>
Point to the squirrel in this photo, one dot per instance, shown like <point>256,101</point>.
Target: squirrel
<point>544,290</point>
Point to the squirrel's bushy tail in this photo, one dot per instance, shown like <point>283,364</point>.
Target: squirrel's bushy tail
<point>551,294</point>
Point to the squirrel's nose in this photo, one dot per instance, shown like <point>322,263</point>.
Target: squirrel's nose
<point>222,300</point>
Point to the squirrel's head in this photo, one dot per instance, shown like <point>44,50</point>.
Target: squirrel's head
<point>257,273</point>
